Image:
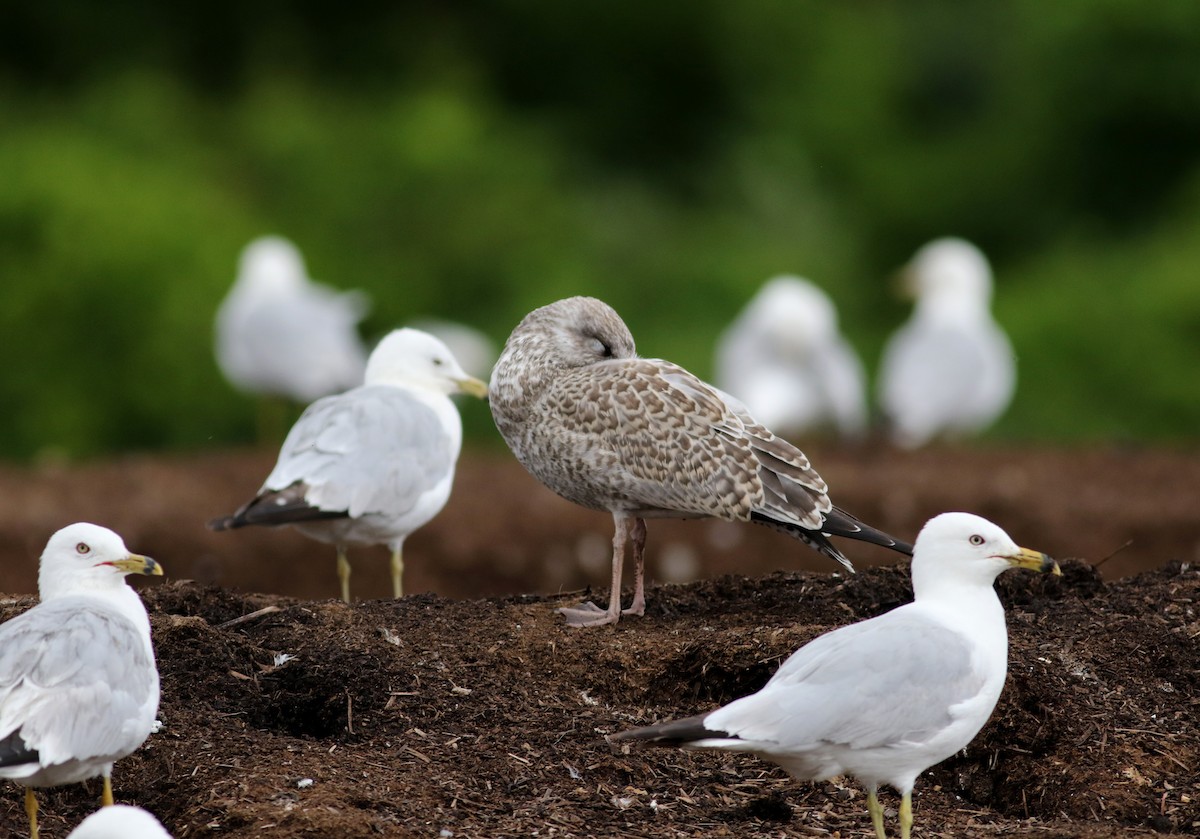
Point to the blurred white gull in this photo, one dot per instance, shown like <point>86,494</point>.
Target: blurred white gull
<point>78,683</point>
<point>950,370</point>
<point>278,333</point>
<point>120,821</point>
<point>886,698</point>
<point>784,358</point>
<point>373,464</point>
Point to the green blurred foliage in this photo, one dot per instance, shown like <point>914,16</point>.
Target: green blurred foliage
<point>474,161</point>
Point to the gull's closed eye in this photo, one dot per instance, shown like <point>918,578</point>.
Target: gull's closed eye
<point>601,348</point>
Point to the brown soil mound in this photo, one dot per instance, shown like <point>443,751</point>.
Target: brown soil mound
<point>487,718</point>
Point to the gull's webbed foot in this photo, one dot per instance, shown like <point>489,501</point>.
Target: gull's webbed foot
<point>588,614</point>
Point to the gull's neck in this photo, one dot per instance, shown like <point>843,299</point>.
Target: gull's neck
<point>969,601</point>
<point>112,590</point>
<point>954,308</point>
<point>447,414</point>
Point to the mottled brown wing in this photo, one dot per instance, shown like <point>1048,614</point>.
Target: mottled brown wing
<point>792,489</point>
<point>671,444</point>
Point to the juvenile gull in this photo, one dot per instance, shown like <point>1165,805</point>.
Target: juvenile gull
<point>278,333</point>
<point>120,822</point>
<point>644,438</point>
<point>371,465</point>
<point>78,682</point>
<point>884,699</point>
<point>785,359</point>
<point>950,370</point>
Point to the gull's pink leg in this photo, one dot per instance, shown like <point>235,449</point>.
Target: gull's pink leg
<point>589,614</point>
<point>638,537</point>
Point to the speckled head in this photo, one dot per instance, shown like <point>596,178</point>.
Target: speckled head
<point>576,332</point>
<point>571,333</point>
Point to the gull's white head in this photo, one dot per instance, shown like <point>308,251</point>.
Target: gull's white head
<point>86,557</point>
<point>271,264</point>
<point>120,821</point>
<point>951,269</point>
<point>956,549</point>
<point>413,358</point>
<point>793,314</point>
<point>475,351</point>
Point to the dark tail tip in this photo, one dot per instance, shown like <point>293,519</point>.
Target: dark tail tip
<point>14,752</point>
<point>840,523</point>
<point>676,733</point>
<point>225,523</point>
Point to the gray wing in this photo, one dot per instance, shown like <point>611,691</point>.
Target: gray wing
<point>929,375</point>
<point>304,345</point>
<point>839,373</point>
<point>374,449</point>
<point>74,678</point>
<point>738,356</point>
<point>885,681</point>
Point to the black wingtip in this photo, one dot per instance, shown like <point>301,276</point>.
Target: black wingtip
<point>272,508</point>
<point>815,539</point>
<point>840,523</point>
<point>224,523</point>
<point>837,523</point>
<point>675,733</point>
<point>14,752</point>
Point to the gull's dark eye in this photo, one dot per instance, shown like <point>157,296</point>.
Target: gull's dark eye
<point>83,548</point>
<point>438,362</point>
<point>976,539</point>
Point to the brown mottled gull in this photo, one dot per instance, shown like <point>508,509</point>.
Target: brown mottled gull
<point>644,438</point>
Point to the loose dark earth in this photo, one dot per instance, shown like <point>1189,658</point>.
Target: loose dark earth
<point>444,714</point>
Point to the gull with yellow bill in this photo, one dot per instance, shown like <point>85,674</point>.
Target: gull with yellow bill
<point>78,682</point>
<point>884,699</point>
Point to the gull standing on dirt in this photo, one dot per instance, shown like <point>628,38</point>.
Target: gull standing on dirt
<point>784,358</point>
<point>78,682</point>
<point>278,333</point>
<point>644,438</point>
<point>886,698</point>
<point>950,370</point>
<point>120,821</point>
<point>371,465</point>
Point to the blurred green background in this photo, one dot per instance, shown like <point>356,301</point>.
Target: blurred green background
<point>476,160</point>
